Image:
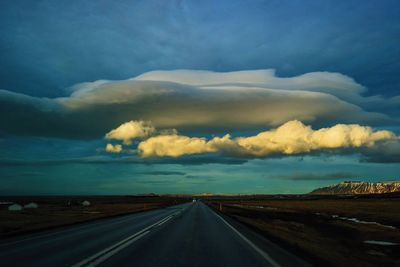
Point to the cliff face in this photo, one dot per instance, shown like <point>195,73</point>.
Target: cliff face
<point>348,188</point>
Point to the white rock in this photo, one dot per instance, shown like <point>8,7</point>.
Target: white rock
<point>31,205</point>
<point>86,203</point>
<point>15,207</point>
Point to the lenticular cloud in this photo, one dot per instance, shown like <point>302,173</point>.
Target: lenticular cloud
<point>191,100</point>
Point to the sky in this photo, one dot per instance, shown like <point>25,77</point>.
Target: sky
<point>132,97</point>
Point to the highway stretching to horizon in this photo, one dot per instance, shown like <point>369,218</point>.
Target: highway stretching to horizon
<point>189,234</point>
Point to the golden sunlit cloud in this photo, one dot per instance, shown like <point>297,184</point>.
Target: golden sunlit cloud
<point>290,138</point>
<point>113,148</point>
<point>131,130</point>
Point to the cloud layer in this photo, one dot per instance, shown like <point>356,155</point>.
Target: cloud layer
<point>48,45</point>
<point>291,138</point>
<point>195,100</point>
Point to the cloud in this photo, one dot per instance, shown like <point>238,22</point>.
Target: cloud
<point>23,174</point>
<point>162,173</point>
<point>113,148</point>
<point>300,176</point>
<point>94,160</point>
<point>193,100</point>
<point>274,34</point>
<point>291,138</point>
<point>333,83</point>
<point>206,178</point>
<point>387,152</point>
<point>131,130</point>
<point>174,146</point>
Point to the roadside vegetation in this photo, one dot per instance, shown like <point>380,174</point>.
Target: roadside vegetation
<point>325,231</point>
<point>57,211</point>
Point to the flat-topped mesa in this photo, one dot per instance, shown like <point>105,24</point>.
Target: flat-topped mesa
<point>358,187</point>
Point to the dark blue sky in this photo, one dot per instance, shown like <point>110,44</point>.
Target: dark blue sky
<point>46,46</point>
<point>335,61</point>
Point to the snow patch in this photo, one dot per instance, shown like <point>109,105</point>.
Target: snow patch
<point>355,220</point>
<point>31,205</point>
<point>85,203</point>
<point>362,222</point>
<point>381,243</point>
<point>15,207</point>
<point>256,207</point>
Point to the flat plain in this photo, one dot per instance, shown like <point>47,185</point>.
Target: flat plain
<point>327,231</point>
<point>57,211</point>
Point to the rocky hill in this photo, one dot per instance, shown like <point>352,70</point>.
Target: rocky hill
<point>349,188</point>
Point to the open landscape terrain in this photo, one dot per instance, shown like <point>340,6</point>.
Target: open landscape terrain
<point>327,231</point>
<point>200,133</point>
<point>63,210</point>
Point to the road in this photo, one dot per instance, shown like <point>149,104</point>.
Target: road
<point>189,234</point>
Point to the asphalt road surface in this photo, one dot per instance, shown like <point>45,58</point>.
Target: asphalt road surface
<point>190,234</point>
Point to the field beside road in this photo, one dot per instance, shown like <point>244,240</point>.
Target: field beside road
<point>325,231</point>
<point>188,234</point>
<point>64,210</point>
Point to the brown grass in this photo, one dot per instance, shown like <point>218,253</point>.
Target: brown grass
<point>61,211</point>
<point>321,239</point>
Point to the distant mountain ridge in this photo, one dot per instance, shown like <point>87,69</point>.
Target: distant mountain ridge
<point>355,188</point>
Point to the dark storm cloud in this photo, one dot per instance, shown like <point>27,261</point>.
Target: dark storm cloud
<point>46,46</point>
<point>388,152</point>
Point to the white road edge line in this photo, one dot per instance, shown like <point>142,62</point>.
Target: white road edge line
<point>104,254</point>
<point>265,255</point>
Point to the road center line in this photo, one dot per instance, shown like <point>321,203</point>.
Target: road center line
<point>116,250</point>
<point>161,223</point>
<point>106,253</point>
<point>84,227</point>
<point>265,255</point>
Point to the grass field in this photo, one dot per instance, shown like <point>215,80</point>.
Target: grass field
<point>58,211</point>
<point>327,232</point>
